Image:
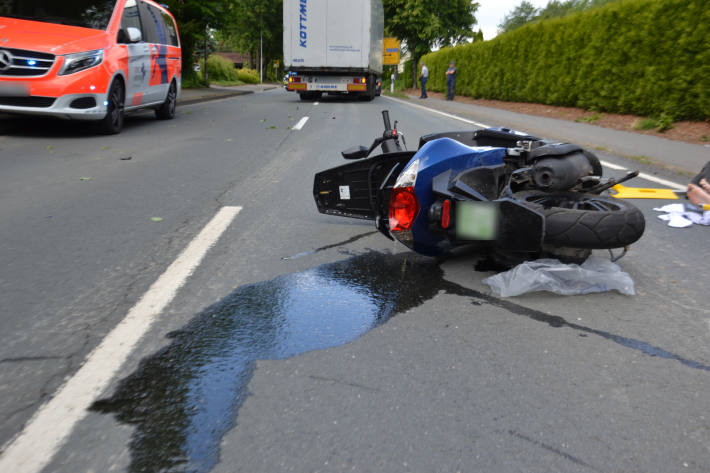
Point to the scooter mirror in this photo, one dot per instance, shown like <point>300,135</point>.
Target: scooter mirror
<point>356,152</point>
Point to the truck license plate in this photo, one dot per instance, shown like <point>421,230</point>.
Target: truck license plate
<point>476,220</point>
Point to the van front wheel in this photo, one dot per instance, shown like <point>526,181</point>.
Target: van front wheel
<point>167,110</point>
<point>112,123</point>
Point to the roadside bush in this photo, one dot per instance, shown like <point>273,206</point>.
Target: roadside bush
<point>221,69</point>
<point>402,81</point>
<point>250,76</point>
<point>646,57</point>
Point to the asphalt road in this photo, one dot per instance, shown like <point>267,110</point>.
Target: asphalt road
<point>303,342</point>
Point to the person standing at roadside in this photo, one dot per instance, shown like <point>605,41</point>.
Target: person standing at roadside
<point>450,81</point>
<point>423,77</point>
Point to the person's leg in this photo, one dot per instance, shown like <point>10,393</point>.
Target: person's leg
<point>424,81</point>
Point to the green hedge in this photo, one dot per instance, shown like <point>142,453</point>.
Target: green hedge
<point>645,57</point>
<point>250,76</point>
<point>221,69</point>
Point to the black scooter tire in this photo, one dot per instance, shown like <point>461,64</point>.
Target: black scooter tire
<point>577,220</point>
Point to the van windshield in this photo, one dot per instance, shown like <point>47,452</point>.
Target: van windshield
<point>94,14</point>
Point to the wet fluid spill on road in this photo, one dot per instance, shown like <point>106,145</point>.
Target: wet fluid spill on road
<point>184,398</point>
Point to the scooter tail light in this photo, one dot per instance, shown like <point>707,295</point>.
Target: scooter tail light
<point>446,214</point>
<point>403,209</point>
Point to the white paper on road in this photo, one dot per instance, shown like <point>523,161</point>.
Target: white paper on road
<point>678,216</point>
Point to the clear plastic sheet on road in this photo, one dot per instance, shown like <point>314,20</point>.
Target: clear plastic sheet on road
<point>594,275</point>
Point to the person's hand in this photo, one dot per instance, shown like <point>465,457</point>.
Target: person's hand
<point>699,195</point>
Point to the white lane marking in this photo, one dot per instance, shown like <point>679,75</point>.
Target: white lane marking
<point>663,182</point>
<point>648,177</point>
<point>448,115</point>
<point>45,433</point>
<point>612,166</point>
<point>300,123</point>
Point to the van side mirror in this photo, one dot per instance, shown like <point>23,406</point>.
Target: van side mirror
<point>134,34</point>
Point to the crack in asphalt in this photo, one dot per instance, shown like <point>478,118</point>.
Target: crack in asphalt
<point>552,449</point>
<point>328,247</point>
<point>345,383</point>
<point>22,359</point>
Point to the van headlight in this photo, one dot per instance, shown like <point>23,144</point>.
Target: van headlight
<point>81,61</point>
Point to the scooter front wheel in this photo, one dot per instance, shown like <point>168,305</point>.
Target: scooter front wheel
<point>578,220</point>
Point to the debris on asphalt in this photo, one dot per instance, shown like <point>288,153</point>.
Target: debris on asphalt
<point>85,178</point>
<point>156,219</point>
<point>683,215</point>
<point>126,158</point>
<point>594,275</point>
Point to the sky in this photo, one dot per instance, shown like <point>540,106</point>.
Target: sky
<point>491,12</point>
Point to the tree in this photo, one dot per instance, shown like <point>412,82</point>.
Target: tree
<point>193,18</point>
<point>423,24</point>
<point>526,12</point>
<point>522,14</point>
<point>254,21</point>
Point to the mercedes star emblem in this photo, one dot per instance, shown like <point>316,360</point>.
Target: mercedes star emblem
<point>5,60</point>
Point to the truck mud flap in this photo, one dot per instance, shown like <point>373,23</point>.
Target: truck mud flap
<point>357,189</point>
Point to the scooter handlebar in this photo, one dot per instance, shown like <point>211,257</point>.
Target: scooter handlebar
<point>386,119</point>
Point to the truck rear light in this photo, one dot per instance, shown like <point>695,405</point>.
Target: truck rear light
<point>360,80</point>
<point>294,79</point>
<point>403,209</point>
<point>446,214</point>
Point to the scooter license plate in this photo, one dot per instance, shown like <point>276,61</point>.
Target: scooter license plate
<point>476,220</point>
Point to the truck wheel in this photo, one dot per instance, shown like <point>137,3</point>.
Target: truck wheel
<point>577,220</point>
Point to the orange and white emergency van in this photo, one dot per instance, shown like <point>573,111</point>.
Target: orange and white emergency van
<point>88,59</point>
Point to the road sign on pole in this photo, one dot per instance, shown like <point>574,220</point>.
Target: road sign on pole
<point>390,51</point>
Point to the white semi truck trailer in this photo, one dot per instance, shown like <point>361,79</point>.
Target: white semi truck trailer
<point>334,47</point>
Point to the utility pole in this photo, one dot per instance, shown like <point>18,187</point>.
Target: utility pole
<point>261,48</point>
<point>207,69</point>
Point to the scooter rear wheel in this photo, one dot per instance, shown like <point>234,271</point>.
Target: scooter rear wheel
<point>578,220</point>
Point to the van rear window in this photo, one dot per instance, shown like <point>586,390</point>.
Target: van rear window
<point>94,14</point>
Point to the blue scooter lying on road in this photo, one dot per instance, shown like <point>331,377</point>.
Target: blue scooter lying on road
<point>510,195</point>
